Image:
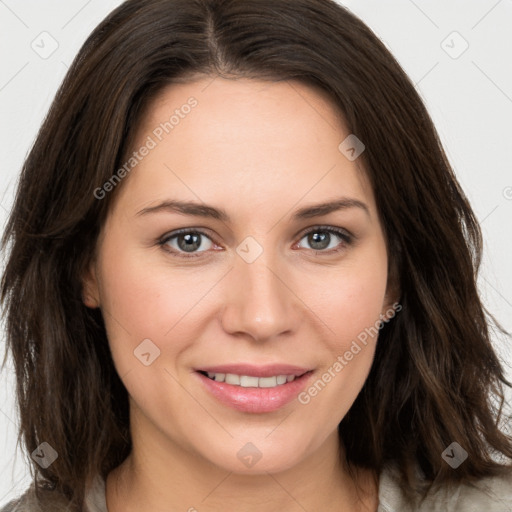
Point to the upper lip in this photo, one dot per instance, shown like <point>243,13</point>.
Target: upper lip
<point>250,370</point>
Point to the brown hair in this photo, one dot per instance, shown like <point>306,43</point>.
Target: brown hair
<point>435,378</point>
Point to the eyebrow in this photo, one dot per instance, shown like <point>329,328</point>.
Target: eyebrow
<point>207,211</point>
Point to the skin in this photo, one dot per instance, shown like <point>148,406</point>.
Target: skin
<point>260,150</point>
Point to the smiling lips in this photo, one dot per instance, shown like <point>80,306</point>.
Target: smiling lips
<point>254,389</point>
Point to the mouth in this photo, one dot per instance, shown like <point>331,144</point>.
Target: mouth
<point>252,389</point>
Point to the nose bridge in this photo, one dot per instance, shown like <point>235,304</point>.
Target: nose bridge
<point>259,302</point>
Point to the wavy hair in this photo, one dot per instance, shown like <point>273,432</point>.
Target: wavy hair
<point>435,378</point>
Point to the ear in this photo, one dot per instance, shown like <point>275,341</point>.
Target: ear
<point>90,288</point>
<point>391,304</point>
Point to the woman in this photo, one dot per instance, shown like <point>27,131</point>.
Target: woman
<point>255,275</point>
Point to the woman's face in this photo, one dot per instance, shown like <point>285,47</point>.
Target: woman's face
<point>258,288</point>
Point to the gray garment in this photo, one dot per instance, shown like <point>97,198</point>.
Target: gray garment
<point>489,495</point>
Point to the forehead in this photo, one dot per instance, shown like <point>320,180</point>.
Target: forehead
<point>251,140</point>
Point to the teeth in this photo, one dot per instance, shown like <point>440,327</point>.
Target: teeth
<point>219,377</point>
<point>231,378</point>
<point>267,382</point>
<point>246,381</point>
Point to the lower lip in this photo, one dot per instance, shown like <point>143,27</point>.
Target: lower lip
<point>255,400</point>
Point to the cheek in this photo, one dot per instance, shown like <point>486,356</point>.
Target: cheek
<point>150,316</point>
<point>350,300</point>
<point>350,307</point>
<point>140,301</point>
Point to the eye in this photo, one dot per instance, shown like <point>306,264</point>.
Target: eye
<point>186,242</point>
<point>321,238</point>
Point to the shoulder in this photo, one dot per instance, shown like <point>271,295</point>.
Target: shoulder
<point>48,501</point>
<point>24,503</point>
<point>492,494</point>
<point>52,501</point>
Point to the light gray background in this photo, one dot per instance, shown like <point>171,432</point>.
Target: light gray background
<point>469,95</point>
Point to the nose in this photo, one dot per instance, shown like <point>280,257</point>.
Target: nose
<point>260,301</point>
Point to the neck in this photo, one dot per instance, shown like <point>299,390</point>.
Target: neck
<point>161,476</point>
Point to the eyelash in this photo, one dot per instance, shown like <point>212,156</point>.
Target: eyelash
<point>346,238</point>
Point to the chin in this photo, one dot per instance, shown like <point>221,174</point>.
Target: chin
<point>258,457</point>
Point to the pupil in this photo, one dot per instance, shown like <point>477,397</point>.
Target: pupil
<point>318,240</point>
<point>191,242</point>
